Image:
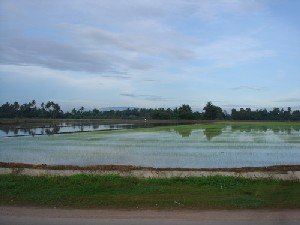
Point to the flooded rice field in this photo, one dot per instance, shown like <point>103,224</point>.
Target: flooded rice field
<point>215,145</point>
<point>61,128</point>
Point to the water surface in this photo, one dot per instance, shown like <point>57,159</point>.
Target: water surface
<point>185,146</point>
<point>61,128</point>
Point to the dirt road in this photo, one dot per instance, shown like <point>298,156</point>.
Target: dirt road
<point>47,216</point>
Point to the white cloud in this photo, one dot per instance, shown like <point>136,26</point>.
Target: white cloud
<point>288,100</point>
<point>149,48</point>
<point>65,78</point>
<point>247,87</point>
<point>231,51</point>
<point>150,38</point>
<point>120,37</point>
<point>146,97</point>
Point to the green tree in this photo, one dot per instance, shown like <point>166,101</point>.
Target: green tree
<point>212,112</point>
<point>185,112</point>
<point>53,109</point>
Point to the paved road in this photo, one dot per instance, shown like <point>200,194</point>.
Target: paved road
<point>37,216</point>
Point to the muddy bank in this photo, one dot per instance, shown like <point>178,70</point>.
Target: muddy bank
<point>284,172</point>
<point>129,168</point>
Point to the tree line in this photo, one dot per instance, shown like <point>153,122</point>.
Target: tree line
<point>184,112</point>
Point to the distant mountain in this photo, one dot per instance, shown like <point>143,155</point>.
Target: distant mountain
<point>228,108</point>
<point>120,108</point>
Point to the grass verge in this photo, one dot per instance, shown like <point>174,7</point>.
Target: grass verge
<point>93,191</point>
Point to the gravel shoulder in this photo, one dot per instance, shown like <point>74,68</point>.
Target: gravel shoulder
<point>34,215</point>
<point>280,172</point>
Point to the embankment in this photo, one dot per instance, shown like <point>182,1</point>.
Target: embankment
<point>283,172</point>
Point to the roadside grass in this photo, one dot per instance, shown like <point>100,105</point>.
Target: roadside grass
<point>112,191</point>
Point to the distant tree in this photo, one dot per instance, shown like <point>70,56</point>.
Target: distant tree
<point>296,115</point>
<point>185,112</point>
<point>53,110</point>
<point>212,112</point>
<point>287,115</point>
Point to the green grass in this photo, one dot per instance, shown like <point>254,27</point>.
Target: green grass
<point>87,191</point>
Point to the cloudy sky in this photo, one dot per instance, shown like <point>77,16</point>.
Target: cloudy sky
<point>151,53</point>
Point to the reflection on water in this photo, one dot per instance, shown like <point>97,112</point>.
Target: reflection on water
<point>275,129</point>
<point>214,131</point>
<point>186,131</point>
<point>189,146</point>
<point>6,131</point>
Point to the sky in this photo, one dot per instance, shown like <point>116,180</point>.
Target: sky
<point>151,53</point>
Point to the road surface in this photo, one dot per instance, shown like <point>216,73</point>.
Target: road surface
<point>46,216</point>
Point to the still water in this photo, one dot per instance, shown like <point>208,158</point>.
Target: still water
<point>61,128</point>
<point>185,146</point>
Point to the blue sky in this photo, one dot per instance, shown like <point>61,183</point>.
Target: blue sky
<point>142,53</point>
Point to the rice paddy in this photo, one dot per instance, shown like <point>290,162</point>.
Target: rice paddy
<point>221,145</point>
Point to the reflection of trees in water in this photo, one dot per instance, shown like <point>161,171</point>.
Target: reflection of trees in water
<point>212,132</point>
<point>50,129</point>
<point>7,130</point>
<point>18,131</point>
<point>54,129</point>
<point>209,132</point>
<point>185,132</point>
<point>264,128</point>
<point>81,128</point>
<point>95,126</point>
